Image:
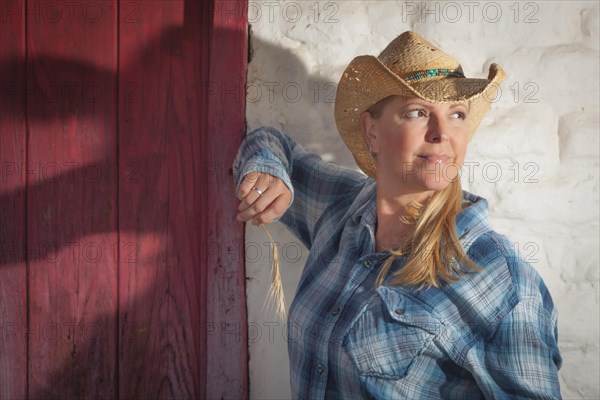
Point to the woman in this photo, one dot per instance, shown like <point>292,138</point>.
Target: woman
<point>407,292</point>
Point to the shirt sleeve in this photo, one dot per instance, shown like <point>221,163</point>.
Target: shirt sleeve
<point>521,359</point>
<point>315,184</point>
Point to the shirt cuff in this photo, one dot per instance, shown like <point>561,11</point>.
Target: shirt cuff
<point>264,161</point>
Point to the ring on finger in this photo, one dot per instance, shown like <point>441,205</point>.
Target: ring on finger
<point>257,190</point>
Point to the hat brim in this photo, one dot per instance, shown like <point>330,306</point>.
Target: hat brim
<point>367,81</point>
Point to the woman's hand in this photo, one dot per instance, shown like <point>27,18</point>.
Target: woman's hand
<point>262,208</point>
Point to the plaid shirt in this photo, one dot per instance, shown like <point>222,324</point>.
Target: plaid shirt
<point>492,334</point>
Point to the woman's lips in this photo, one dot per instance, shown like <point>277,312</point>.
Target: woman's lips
<point>435,158</point>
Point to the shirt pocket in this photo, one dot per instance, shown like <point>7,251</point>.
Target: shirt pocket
<point>390,335</point>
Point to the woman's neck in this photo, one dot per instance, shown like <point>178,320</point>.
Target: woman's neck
<point>392,213</point>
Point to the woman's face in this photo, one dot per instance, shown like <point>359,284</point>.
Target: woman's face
<point>420,144</point>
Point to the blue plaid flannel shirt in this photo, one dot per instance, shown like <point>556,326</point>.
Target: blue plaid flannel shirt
<point>492,335</point>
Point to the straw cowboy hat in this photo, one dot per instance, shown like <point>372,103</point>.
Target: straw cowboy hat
<point>409,66</point>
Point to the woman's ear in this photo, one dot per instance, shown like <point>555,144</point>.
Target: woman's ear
<point>369,129</point>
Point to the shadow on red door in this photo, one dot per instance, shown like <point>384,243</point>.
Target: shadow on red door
<point>121,274</point>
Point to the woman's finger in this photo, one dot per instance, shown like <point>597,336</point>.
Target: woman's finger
<point>273,210</point>
<point>247,184</point>
<point>262,184</point>
<point>258,204</point>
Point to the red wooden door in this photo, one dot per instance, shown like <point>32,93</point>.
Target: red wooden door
<point>120,276</point>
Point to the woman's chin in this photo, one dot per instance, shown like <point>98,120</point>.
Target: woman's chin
<point>435,184</point>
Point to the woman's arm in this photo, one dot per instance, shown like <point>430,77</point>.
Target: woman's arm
<point>314,183</point>
<point>521,359</point>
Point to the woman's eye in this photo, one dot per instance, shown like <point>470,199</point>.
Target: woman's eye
<point>416,113</point>
<point>459,115</point>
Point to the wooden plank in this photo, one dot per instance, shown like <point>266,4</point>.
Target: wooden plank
<point>227,357</point>
<point>162,59</point>
<point>72,198</point>
<point>13,268</point>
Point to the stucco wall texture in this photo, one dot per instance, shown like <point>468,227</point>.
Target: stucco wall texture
<point>535,156</point>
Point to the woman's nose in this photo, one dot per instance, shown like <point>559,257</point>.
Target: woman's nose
<point>437,131</point>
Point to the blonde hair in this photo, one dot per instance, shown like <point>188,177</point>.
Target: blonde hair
<point>435,253</point>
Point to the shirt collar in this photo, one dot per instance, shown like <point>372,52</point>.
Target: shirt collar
<point>366,210</point>
<point>473,220</point>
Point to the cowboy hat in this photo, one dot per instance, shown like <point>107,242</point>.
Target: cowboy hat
<point>409,66</point>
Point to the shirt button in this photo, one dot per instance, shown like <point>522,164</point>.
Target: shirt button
<point>320,368</point>
<point>368,263</point>
<point>335,311</point>
<point>399,311</point>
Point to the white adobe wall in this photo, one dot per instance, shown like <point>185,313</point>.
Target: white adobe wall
<point>541,137</point>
